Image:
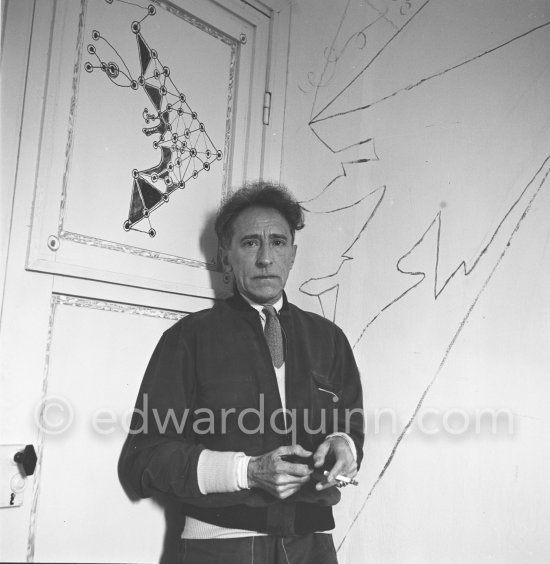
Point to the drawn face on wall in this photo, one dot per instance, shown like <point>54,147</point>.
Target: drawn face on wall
<point>261,254</point>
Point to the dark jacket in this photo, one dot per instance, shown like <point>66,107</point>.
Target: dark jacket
<point>208,381</point>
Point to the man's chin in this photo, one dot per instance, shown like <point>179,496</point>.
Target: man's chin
<point>264,295</point>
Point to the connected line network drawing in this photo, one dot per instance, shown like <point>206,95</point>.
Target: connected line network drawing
<point>186,149</point>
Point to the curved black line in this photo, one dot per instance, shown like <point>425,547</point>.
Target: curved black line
<point>397,33</point>
<point>462,266</point>
<point>423,80</point>
<point>337,209</point>
<point>344,256</point>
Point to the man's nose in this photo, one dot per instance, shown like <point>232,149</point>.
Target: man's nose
<point>264,257</point>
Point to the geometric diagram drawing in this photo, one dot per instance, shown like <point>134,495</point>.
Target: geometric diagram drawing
<point>185,147</point>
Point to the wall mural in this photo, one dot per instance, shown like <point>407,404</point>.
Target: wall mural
<point>186,148</point>
<point>443,150</point>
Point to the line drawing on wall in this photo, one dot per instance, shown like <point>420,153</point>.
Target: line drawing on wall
<point>186,148</point>
<point>341,98</point>
<point>527,198</point>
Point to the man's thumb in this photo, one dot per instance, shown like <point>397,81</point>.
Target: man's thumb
<point>299,450</point>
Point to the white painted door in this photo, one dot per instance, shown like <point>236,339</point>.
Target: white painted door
<point>136,118</point>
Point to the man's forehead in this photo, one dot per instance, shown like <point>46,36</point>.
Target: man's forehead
<point>257,221</point>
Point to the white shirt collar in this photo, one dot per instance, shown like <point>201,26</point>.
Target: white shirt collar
<point>259,307</point>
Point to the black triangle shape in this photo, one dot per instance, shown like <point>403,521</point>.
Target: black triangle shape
<point>136,205</point>
<point>151,195</point>
<point>154,95</point>
<point>144,54</point>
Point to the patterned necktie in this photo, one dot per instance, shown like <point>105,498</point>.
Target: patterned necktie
<point>273,336</point>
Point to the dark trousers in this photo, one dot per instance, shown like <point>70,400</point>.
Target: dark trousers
<point>315,548</point>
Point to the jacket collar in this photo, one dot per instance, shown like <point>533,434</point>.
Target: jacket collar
<point>236,301</point>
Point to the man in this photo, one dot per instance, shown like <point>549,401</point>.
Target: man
<point>253,407</point>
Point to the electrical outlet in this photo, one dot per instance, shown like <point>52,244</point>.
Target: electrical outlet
<point>12,478</point>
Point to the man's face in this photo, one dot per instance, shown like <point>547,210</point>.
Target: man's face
<point>261,254</point>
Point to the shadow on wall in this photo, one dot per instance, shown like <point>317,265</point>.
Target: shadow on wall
<point>173,516</point>
<point>171,506</point>
<point>221,283</point>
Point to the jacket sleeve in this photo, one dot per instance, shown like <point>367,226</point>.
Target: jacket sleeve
<point>350,405</point>
<point>160,454</point>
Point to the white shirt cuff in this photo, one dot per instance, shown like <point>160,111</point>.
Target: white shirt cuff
<point>349,440</point>
<point>222,472</point>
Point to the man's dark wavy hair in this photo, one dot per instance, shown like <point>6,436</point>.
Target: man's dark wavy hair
<point>257,194</point>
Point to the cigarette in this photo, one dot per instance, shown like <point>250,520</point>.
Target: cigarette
<point>345,479</point>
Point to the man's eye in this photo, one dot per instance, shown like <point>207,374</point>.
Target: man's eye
<point>279,243</point>
<point>250,243</point>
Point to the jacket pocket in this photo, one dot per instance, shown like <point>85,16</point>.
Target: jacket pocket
<point>333,395</point>
<point>327,391</point>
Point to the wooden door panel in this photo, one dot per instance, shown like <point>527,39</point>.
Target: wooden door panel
<point>81,137</point>
<point>98,352</point>
<point>148,119</point>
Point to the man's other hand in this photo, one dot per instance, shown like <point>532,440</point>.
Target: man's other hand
<point>338,449</point>
<point>276,476</point>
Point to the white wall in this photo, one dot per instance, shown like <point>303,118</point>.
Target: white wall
<point>450,167</point>
<point>443,171</point>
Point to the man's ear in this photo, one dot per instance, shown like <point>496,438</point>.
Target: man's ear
<point>225,260</point>
<point>294,249</point>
